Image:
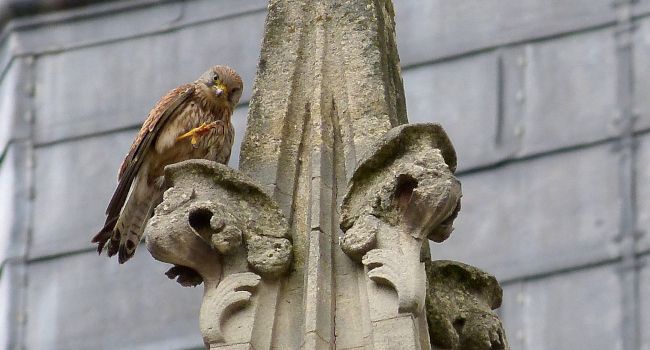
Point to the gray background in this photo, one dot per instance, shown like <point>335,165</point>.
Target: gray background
<point>547,102</point>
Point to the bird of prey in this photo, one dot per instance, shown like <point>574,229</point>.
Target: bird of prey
<point>191,121</point>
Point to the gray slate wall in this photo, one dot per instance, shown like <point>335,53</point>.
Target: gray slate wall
<point>547,102</point>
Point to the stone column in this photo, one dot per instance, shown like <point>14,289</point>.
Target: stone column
<point>318,242</point>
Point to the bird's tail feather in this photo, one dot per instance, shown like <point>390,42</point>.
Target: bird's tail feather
<point>104,234</point>
<point>121,235</point>
<point>130,227</point>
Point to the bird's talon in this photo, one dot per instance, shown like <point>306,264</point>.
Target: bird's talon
<point>196,132</point>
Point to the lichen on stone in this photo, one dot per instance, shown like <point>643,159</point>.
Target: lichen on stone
<point>459,303</point>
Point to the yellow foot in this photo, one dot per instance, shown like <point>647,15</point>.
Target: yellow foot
<point>197,132</point>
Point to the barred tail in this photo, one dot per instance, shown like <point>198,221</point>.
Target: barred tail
<point>122,235</point>
<point>130,226</point>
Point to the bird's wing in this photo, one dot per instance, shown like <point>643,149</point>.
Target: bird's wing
<point>168,106</point>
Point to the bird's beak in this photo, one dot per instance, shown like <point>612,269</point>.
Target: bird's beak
<point>219,90</point>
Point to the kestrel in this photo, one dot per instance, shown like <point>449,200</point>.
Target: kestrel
<point>191,121</point>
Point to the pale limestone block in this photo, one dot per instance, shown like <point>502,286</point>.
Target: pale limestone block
<point>397,333</point>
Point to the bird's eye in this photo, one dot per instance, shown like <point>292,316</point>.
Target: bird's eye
<point>215,77</point>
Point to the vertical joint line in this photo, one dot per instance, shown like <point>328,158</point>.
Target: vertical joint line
<point>299,161</point>
<point>336,144</point>
<point>29,167</point>
<point>628,268</point>
<point>498,139</point>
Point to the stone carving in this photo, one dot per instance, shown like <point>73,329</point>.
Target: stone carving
<point>328,89</point>
<point>389,267</point>
<point>460,300</point>
<point>233,292</point>
<point>217,227</point>
<point>402,193</point>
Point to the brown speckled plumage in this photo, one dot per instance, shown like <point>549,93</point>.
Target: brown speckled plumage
<point>209,100</point>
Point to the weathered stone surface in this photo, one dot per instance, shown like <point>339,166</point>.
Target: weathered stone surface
<point>215,224</point>
<point>558,312</point>
<point>328,87</point>
<point>460,300</point>
<point>73,182</point>
<point>402,192</point>
<point>290,39</point>
<point>65,110</point>
<point>536,218</point>
<point>361,237</point>
<point>86,302</point>
<point>395,331</point>
<point>406,180</point>
<point>189,218</point>
<point>270,256</point>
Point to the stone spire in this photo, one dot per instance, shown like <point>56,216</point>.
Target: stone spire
<point>317,243</point>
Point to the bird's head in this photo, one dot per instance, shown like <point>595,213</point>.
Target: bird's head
<point>224,85</point>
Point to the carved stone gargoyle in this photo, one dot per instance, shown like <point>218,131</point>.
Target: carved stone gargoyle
<point>460,300</point>
<point>218,227</point>
<point>402,192</point>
